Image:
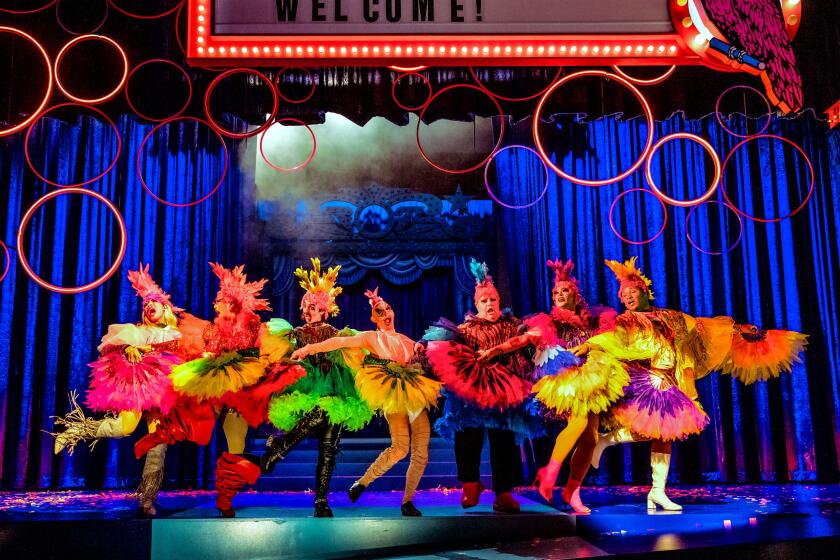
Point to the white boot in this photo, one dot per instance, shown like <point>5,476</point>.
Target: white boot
<point>659,464</point>
<point>78,428</point>
<point>621,435</point>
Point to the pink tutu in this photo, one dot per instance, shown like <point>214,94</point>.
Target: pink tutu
<point>116,384</point>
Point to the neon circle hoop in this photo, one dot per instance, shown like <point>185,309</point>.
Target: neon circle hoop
<point>642,81</point>
<point>163,61</point>
<point>8,261</point>
<point>60,289</point>
<point>593,182</point>
<point>498,200</point>
<point>655,235</point>
<point>141,16</point>
<point>30,11</point>
<point>37,112</point>
<point>719,116</point>
<point>407,107</point>
<point>91,31</point>
<point>94,100</point>
<point>143,180</point>
<point>275,103</point>
<point>38,174</point>
<point>722,251</point>
<point>706,146</point>
<point>299,166</point>
<point>513,99</point>
<point>303,99</point>
<point>796,210</point>
<point>490,155</point>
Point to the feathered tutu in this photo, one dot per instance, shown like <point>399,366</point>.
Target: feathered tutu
<point>117,384</point>
<point>486,384</point>
<point>210,378</point>
<point>253,401</point>
<point>395,388</point>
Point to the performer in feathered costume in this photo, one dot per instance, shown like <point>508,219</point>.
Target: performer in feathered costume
<point>491,396</point>
<point>238,372</point>
<point>578,391</point>
<point>392,383</point>
<point>130,379</point>
<point>665,351</point>
<point>325,401</point>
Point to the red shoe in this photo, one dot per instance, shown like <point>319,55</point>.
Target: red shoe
<point>505,503</point>
<point>572,497</point>
<point>470,493</point>
<point>233,472</point>
<point>546,478</point>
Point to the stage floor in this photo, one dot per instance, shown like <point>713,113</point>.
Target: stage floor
<point>745,521</point>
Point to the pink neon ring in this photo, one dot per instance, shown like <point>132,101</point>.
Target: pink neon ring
<point>646,241</point>
<point>140,16</point>
<point>96,100</point>
<point>180,204</point>
<point>645,82</point>
<point>8,261</point>
<point>306,162</point>
<point>89,181</point>
<point>514,99</point>
<point>304,99</point>
<point>730,131</point>
<point>96,28</point>
<point>709,149</point>
<point>165,61</point>
<point>394,91</point>
<point>490,155</point>
<point>59,289</point>
<point>768,220</point>
<point>593,182</point>
<point>26,12</point>
<point>238,135</point>
<point>515,206</point>
<point>723,251</point>
<point>37,112</point>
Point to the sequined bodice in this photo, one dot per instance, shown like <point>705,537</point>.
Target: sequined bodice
<point>229,337</point>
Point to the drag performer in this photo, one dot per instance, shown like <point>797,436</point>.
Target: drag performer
<point>665,351</point>
<point>130,380</point>
<point>394,385</point>
<point>579,393</point>
<point>484,396</point>
<point>325,401</point>
<point>237,374</point>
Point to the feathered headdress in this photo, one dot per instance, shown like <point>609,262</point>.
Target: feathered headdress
<point>563,273</point>
<point>234,286</point>
<point>373,297</point>
<point>148,289</point>
<point>483,280</point>
<point>320,288</point>
<point>629,275</point>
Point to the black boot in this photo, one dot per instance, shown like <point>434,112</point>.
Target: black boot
<point>355,491</point>
<point>280,446</point>
<point>327,452</point>
<point>408,510</point>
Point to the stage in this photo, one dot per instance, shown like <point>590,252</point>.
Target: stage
<point>749,521</point>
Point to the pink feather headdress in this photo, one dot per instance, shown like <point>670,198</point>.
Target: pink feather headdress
<point>148,289</point>
<point>373,297</point>
<point>563,274</point>
<point>234,286</point>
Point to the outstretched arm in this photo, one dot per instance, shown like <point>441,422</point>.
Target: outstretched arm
<point>511,345</point>
<point>360,340</point>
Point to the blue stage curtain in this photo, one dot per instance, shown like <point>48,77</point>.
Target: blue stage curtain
<point>783,275</point>
<point>46,339</point>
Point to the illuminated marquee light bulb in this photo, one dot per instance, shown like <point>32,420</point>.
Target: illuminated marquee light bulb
<point>596,49</point>
<point>222,50</point>
<point>562,49</point>
<point>200,39</point>
<point>530,50</point>
<point>289,51</point>
<point>672,49</point>
<point>276,49</point>
<point>660,49</point>
<point>332,50</point>
<point>573,50</point>
<point>551,49</point>
<point>387,50</point>
<point>200,50</point>
<point>541,50</point>
<point>344,50</point>
<point>519,50</point>
<point>409,51</point>
<point>507,49</point>
<point>376,51</point>
<point>628,49</point>
<point>321,49</point>
<point>211,50</point>
<point>639,49</point>
<point>255,50</point>
<point>485,50</point>
<point>475,50</point>
<point>497,49</point>
<point>584,49</point>
<point>234,50</point>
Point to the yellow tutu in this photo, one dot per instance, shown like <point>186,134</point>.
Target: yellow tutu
<point>210,378</point>
<point>394,388</point>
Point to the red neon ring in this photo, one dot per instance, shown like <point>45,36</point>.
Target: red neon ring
<point>593,182</point>
<point>165,61</point>
<point>289,99</point>
<point>769,220</point>
<point>96,100</point>
<point>490,155</point>
<point>406,68</point>
<point>178,29</point>
<point>269,121</point>
<point>180,204</point>
<point>394,91</point>
<point>89,181</point>
<point>505,204</point>
<point>59,289</point>
<point>727,129</point>
<point>96,28</point>
<point>37,112</point>
<point>140,16</point>
<point>722,251</point>
<point>709,149</point>
<point>8,262</point>
<point>630,241</point>
<point>26,12</point>
<point>306,162</point>
<point>645,82</point>
<point>514,99</point>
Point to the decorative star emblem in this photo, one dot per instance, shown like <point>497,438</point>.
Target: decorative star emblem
<point>458,201</point>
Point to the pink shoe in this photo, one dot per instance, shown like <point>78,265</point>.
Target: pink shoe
<point>546,478</point>
<point>571,495</point>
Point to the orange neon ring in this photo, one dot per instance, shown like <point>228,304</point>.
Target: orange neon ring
<point>514,99</point>
<point>406,68</point>
<point>648,82</point>
<point>35,114</point>
<point>593,182</point>
<point>79,289</point>
<point>96,100</point>
<point>684,203</point>
<point>275,105</point>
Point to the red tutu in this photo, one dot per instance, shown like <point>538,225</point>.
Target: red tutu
<point>487,384</point>
<point>252,401</point>
<point>116,384</point>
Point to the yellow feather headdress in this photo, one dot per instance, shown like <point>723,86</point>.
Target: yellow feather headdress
<point>320,287</point>
<point>628,274</point>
